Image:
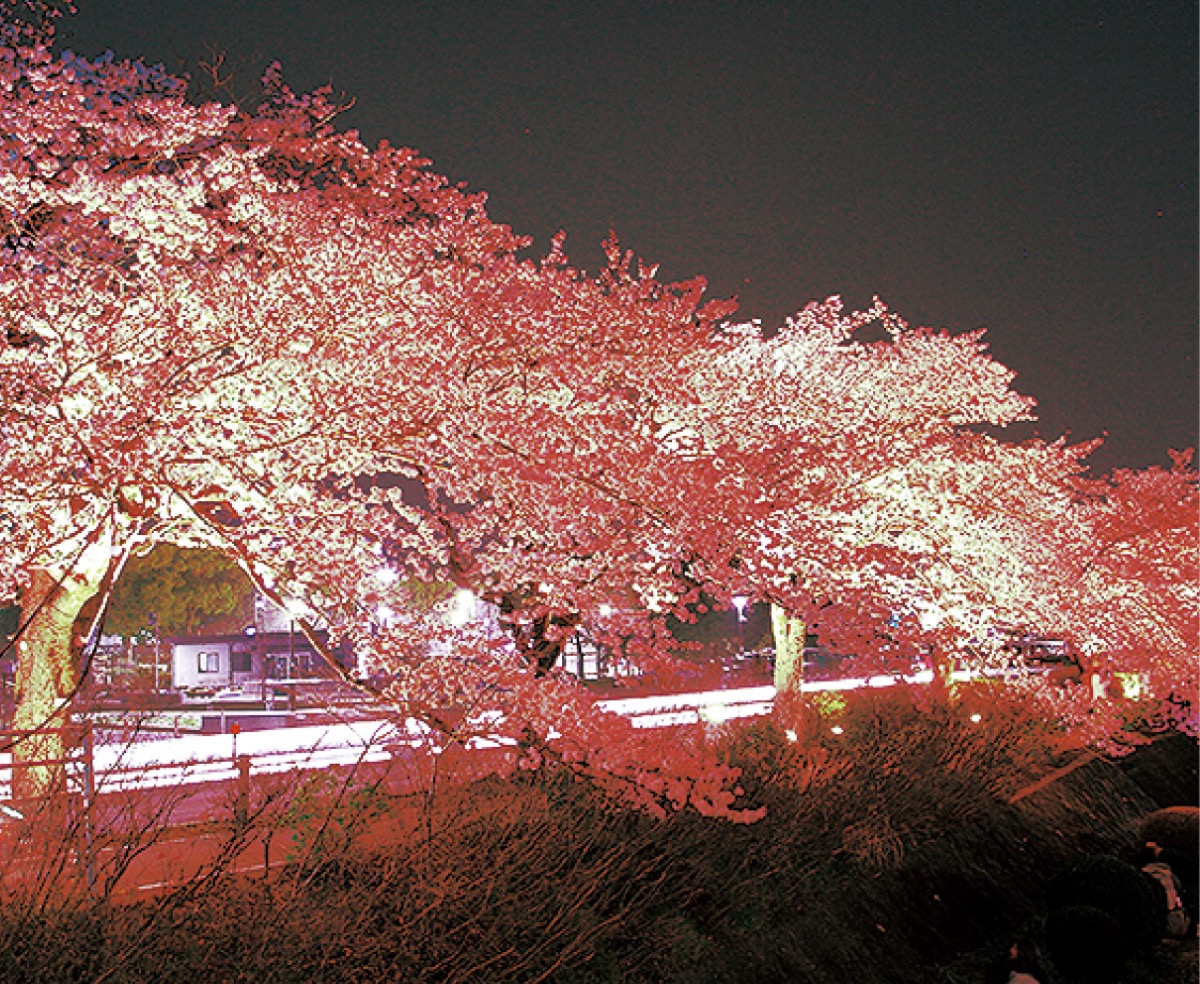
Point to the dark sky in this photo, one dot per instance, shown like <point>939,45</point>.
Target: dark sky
<point>1030,167</point>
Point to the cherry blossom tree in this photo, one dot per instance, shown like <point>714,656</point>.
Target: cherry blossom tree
<point>220,325</point>
<point>248,332</point>
<point>900,521</point>
<point>1136,597</point>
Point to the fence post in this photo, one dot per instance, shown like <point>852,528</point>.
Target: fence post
<point>241,803</point>
<point>89,799</point>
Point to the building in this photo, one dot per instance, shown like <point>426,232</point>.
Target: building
<point>218,661</point>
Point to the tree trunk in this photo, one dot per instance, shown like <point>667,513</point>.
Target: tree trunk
<point>789,635</point>
<point>543,638</point>
<point>942,667</point>
<point>48,663</point>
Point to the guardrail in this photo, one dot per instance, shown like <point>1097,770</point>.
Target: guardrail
<point>76,790</point>
<point>77,766</point>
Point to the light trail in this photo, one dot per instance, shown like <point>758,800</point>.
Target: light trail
<point>192,759</point>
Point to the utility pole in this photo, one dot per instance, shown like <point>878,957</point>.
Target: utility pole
<point>152,621</point>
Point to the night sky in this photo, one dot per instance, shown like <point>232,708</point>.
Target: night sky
<point>1027,167</point>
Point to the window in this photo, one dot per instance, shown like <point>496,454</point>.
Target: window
<point>209,662</point>
<point>241,661</point>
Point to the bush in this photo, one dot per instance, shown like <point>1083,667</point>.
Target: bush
<point>1117,888</point>
<point>1086,944</point>
<point>866,867</point>
<point>909,764</point>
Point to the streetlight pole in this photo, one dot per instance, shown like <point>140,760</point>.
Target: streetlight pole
<point>152,621</point>
<point>291,664</point>
<point>296,609</point>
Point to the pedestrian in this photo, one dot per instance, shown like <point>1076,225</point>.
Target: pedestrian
<point>1019,965</point>
<point>1178,920</point>
<point>1023,965</point>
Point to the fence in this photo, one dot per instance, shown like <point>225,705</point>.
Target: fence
<point>78,774</point>
<point>73,789</point>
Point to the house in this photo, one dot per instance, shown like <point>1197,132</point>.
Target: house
<point>243,660</point>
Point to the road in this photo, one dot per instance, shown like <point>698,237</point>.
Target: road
<point>168,761</point>
<point>179,798</point>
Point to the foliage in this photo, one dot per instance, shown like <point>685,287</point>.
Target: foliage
<point>326,813</point>
<point>177,591</point>
<point>539,875</point>
<point>906,763</point>
<point>425,595</point>
<point>249,332</point>
<point>552,723</point>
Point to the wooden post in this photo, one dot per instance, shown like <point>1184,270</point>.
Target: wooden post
<point>241,803</point>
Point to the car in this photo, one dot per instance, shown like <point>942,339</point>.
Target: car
<point>251,694</point>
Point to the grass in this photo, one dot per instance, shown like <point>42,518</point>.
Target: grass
<point>894,850</point>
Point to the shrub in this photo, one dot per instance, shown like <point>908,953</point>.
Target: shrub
<point>1086,944</point>
<point>1115,887</point>
<point>862,869</point>
<point>909,765</point>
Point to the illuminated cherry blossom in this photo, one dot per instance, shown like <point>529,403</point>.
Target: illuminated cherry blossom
<point>248,331</point>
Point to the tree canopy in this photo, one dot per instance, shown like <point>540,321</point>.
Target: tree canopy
<point>177,592</point>
<point>247,331</point>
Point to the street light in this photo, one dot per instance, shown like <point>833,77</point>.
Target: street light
<point>740,602</point>
<point>462,608</point>
<point>253,632</point>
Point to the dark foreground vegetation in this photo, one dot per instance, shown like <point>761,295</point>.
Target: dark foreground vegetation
<point>913,846</point>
